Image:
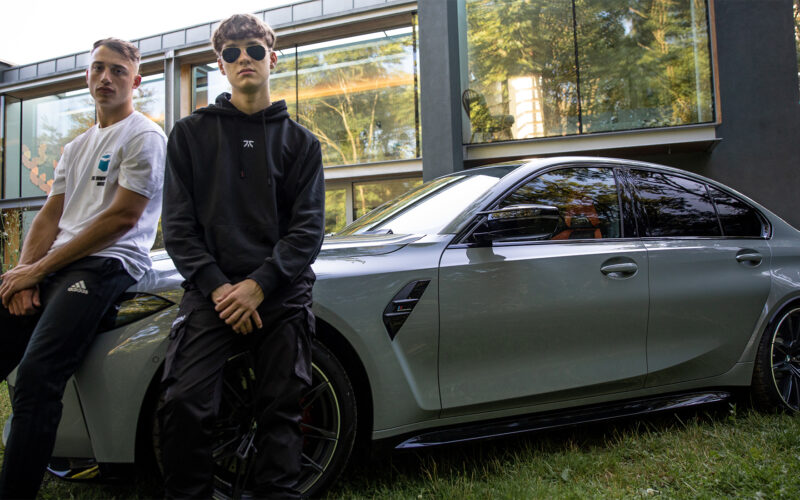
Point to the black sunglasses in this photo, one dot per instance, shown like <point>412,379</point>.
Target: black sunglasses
<point>256,52</point>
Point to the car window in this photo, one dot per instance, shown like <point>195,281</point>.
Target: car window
<point>586,198</point>
<point>674,206</point>
<point>737,217</point>
<point>430,215</point>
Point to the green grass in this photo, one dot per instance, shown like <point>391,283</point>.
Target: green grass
<point>717,452</point>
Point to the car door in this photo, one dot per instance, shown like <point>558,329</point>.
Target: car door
<point>533,317</point>
<point>709,275</point>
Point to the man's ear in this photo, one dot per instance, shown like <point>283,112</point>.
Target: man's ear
<point>221,66</point>
<point>273,59</point>
<point>137,80</point>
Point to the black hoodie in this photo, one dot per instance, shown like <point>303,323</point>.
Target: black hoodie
<point>243,197</point>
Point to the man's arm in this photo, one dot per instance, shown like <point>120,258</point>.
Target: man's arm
<point>294,252</point>
<point>299,246</point>
<point>183,237</point>
<point>41,235</point>
<point>112,223</point>
<point>43,230</point>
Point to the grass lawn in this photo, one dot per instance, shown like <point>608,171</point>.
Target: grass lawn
<point>716,452</point>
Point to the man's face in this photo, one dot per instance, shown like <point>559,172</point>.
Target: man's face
<point>246,74</point>
<point>111,77</point>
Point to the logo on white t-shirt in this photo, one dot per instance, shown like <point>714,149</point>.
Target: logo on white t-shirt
<point>104,161</point>
<point>102,166</point>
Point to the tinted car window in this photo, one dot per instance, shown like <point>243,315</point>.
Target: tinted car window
<point>586,199</point>
<point>737,217</point>
<point>674,206</point>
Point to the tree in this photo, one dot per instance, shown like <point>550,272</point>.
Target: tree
<point>359,100</point>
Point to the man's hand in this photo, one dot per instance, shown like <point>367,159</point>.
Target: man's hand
<point>25,302</point>
<point>220,292</point>
<point>21,277</point>
<point>237,305</point>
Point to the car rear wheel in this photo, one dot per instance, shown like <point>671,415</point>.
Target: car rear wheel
<point>328,425</point>
<point>776,378</point>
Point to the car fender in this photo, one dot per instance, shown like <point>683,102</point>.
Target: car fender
<point>113,380</point>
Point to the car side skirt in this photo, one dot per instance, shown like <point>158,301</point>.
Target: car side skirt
<point>562,418</point>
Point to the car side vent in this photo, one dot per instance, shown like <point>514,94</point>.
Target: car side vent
<point>398,310</point>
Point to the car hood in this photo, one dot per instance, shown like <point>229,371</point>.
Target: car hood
<point>357,245</point>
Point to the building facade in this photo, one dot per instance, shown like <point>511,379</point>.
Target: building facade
<point>403,91</point>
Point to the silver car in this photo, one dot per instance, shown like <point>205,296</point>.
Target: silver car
<point>488,302</point>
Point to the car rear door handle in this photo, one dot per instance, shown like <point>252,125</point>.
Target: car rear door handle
<point>749,256</point>
<point>621,270</point>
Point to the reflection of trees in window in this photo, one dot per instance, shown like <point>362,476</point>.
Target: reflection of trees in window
<point>48,124</point>
<point>737,217</point>
<point>335,210</point>
<point>675,206</point>
<point>521,58</point>
<point>586,198</point>
<point>148,99</point>
<point>369,195</point>
<point>797,33</point>
<point>637,63</point>
<point>643,63</point>
<point>358,98</point>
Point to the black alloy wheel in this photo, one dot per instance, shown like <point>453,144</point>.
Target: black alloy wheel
<point>328,425</point>
<point>776,379</point>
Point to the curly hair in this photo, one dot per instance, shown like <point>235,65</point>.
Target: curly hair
<point>239,27</point>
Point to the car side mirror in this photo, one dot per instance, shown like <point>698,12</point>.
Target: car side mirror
<point>518,222</point>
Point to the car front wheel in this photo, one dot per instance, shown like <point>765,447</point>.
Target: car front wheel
<point>328,425</point>
<point>776,378</point>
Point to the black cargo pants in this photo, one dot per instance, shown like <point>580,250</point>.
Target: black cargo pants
<point>48,348</point>
<point>200,345</point>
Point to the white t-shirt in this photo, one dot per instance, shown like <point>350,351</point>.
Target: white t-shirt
<point>129,153</point>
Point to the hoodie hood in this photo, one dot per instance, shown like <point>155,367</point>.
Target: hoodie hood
<point>224,110</point>
<point>223,107</point>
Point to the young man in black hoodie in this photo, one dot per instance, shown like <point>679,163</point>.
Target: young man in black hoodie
<point>243,220</point>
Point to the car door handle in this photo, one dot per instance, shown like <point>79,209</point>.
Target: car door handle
<point>750,257</point>
<point>619,270</point>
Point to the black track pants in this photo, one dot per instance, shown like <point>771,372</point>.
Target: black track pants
<point>48,348</point>
<point>200,346</point>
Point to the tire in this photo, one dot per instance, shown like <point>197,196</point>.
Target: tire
<point>776,377</point>
<point>328,424</point>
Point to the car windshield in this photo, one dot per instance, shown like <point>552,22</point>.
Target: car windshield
<point>428,208</point>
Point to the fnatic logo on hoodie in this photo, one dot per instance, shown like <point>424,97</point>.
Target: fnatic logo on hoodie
<point>248,143</point>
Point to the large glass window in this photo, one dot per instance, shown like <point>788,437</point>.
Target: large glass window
<point>12,130</point>
<point>543,68</point>
<point>797,34</point>
<point>335,209</point>
<point>148,99</point>
<point>38,129</point>
<point>48,124</point>
<point>357,95</point>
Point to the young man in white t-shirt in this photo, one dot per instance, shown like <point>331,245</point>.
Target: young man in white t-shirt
<point>89,242</point>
